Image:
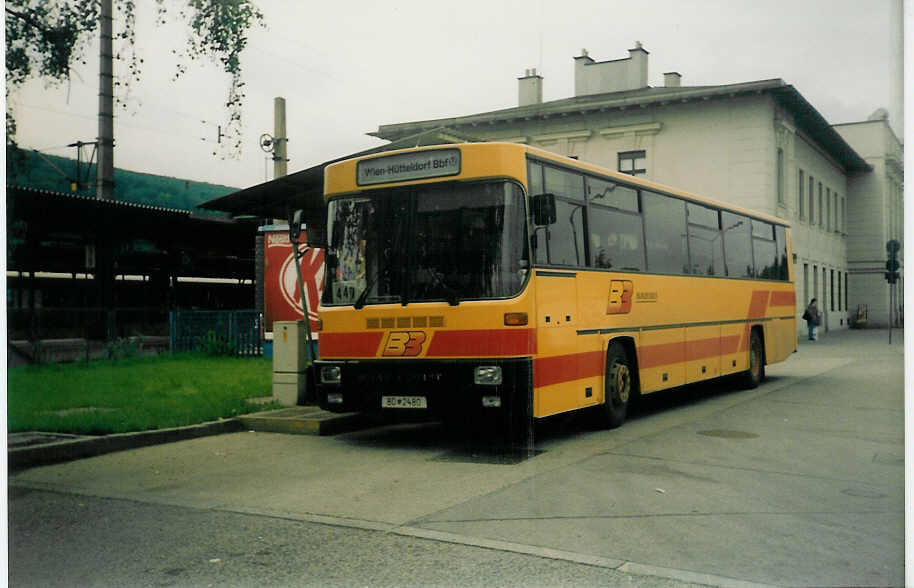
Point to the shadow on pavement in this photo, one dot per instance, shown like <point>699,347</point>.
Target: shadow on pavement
<point>481,442</point>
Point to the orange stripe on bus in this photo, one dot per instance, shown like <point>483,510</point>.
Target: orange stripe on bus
<point>349,344</point>
<point>566,368</point>
<point>483,343</point>
<point>650,356</point>
<point>783,299</point>
<point>758,306</point>
<point>729,344</point>
<point>576,366</point>
<point>702,348</point>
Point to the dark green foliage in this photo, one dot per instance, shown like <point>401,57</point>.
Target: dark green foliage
<point>218,345</point>
<point>123,348</point>
<point>27,169</point>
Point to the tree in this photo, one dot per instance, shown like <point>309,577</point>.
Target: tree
<point>45,37</point>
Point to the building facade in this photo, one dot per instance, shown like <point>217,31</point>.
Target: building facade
<point>876,216</point>
<point>758,144</point>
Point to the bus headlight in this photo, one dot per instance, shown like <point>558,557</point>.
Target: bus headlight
<point>330,374</point>
<point>487,375</point>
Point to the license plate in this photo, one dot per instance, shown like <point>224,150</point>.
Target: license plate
<point>403,402</point>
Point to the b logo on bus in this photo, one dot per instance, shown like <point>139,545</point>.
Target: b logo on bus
<point>404,343</point>
<point>620,297</point>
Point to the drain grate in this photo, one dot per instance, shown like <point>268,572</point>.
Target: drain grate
<point>725,434</point>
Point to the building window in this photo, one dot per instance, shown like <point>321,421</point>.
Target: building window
<point>831,288</point>
<point>828,210</point>
<point>815,283</point>
<point>843,216</point>
<point>845,290</point>
<point>837,214</point>
<point>839,289</point>
<point>824,306</point>
<point>633,163</point>
<point>812,185</point>
<point>801,198</point>
<point>780,176</point>
<point>821,216</point>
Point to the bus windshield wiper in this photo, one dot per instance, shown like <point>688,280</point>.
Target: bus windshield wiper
<point>450,294</point>
<point>384,270</point>
<point>363,296</point>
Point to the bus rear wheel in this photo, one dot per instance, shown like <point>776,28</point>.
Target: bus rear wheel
<point>617,385</point>
<point>756,372</point>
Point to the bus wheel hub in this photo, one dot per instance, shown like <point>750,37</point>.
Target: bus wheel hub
<point>621,379</point>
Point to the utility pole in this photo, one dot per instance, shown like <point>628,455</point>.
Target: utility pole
<point>105,178</point>
<point>280,140</point>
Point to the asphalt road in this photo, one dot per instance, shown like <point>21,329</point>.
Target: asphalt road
<point>67,540</point>
<point>798,483</point>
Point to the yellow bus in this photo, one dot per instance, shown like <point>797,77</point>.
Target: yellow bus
<point>497,279</point>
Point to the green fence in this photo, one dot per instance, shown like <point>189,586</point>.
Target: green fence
<point>219,331</point>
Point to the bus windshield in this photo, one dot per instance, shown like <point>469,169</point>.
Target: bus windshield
<point>451,242</point>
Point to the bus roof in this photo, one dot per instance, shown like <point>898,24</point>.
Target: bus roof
<point>341,177</point>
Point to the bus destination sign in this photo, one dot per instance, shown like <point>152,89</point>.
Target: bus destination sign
<point>409,166</point>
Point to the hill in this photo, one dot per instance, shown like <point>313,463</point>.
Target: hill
<point>57,174</point>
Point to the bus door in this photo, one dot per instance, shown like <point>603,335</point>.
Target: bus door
<point>556,366</point>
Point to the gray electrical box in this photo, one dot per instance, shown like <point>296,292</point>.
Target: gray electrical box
<point>289,362</point>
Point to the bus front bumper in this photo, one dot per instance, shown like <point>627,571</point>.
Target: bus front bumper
<point>439,388</point>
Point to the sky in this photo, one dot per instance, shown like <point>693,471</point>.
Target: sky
<point>346,67</point>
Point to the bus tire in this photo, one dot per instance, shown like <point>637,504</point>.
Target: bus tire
<point>752,377</point>
<point>618,385</point>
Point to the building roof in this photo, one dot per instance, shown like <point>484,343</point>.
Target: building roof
<point>806,116</point>
<point>220,247</point>
<point>304,189</point>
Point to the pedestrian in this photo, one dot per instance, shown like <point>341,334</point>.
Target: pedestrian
<point>811,316</point>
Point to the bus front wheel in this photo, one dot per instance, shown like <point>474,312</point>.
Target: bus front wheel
<point>618,385</point>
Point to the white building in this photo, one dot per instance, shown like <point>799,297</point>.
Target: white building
<point>757,144</point>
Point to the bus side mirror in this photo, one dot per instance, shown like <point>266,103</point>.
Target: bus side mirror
<point>295,226</point>
<point>316,238</point>
<point>544,209</point>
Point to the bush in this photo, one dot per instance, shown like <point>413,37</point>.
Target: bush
<point>218,345</point>
<point>124,347</point>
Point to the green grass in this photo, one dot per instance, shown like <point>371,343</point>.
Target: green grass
<point>135,394</point>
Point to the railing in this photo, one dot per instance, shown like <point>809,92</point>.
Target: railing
<point>235,332</point>
<point>98,324</point>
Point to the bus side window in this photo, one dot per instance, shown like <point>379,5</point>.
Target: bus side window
<point>616,239</point>
<point>706,248</point>
<point>566,236</point>
<point>706,251</point>
<point>665,233</point>
<point>737,245</point>
<point>565,184</point>
<point>535,178</point>
<point>780,237</point>
<point>764,250</point>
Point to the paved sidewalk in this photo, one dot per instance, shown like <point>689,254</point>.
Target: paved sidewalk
<point>799,482</point>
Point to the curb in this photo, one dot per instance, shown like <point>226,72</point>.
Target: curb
<point>303,420</point>
<point>20,458</point>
